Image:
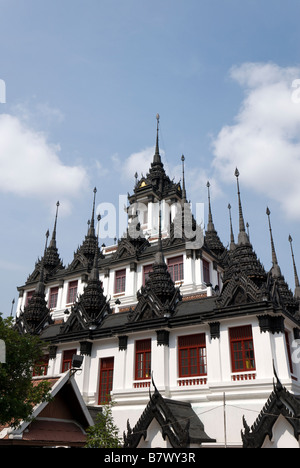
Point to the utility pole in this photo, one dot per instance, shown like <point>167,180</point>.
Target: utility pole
<point>224,412</point>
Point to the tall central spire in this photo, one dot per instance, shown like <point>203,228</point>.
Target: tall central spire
<point>242,237</point>
<point>157,158</point>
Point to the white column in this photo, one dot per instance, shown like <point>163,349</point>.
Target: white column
<point>160,366</point>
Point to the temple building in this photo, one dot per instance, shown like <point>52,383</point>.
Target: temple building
<point>185,335</point>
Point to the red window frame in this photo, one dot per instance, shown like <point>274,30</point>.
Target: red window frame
<point>192,355</point>
<point>175,267</point>
<point>106,379</point>
<point>72,292</point>
<point>146,270</point>
<point>67,359</point>
<point>206,272</point>
<point>143,359</point>
<point>53,296</point>
<point>41,367</point>
<point>242,349</point>
<point>120,281</point>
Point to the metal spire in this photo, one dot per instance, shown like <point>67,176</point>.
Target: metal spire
<point>157,158</point>
<point>242,237</point>
<point>232,243</point>
<point>91,230</point>
<point>297,284</point>
<point>183,181</point>
<point>53,240</point>
<point>95,272</point>
<point>210,224</point>
<point>275,268</point>
<point>40,288</point>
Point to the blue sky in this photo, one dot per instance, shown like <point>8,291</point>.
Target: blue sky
<point>84,81</point>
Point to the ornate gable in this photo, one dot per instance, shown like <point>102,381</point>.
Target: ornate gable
<point>280,402</point>
<point>130,247</point>
<point>178,422</point>
<point>239,290</point>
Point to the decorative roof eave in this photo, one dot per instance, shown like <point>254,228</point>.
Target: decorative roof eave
<point>177,431</point>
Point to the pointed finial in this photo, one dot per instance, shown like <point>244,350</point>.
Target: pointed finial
<point>46,241</point>
<point>157,159</point>
<point>275,268</point>
<point>210,225</point>
<point>40,286</point>
<point>183,181</point>
<point>95,273</point>
<point>232,243</point>
<point>91,230</point>
<point>53,240</point>
<point>242,237</point>
<point>297,284</point>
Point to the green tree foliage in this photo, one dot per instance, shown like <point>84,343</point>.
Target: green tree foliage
<point>18,393</point>
<point>104,434</point>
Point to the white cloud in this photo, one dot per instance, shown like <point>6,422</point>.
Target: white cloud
<point>139,162</point>
<point>264,141</point>
<point>31,167</point>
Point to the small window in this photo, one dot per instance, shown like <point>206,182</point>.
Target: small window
<point>72,292</point>
<point>242,349</point>
<point>53,295</point>
<point>67,359</point>
<point>206,274</point>
<point>192,355</point>
<point>175,267</point>
<point>143,359</point>
<point>106,379</point>
<point>41,367</point>
<point>120,281</point>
